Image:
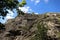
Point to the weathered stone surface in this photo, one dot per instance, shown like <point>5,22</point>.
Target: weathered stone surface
<point>24,27</point>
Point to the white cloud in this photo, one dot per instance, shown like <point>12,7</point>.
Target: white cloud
<point>26,9</point>
<point>32,0</point>
<point>36,13</point>
<point>9,15</point>
<point>46,1</point>
<point>36,1</point>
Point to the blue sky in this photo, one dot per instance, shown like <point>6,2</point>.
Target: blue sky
<point>37,6</point>
<point>42,6</point>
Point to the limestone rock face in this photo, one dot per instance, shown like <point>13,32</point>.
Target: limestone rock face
<point>24,27</point>
<point>20,27</point>
<point>52,22</point>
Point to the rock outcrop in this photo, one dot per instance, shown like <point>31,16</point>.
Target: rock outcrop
<point>24,27</point>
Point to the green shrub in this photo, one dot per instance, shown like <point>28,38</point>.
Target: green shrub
<point>41,34</point>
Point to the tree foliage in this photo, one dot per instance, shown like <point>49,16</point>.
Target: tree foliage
<point>9,4</point>
<point>41,34</point>
<point>2,26</point>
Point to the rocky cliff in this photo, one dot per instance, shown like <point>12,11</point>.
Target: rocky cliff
<point>25,27</point>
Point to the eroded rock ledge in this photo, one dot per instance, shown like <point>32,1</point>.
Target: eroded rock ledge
<point>24,27</point>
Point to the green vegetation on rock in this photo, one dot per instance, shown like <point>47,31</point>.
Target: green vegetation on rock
<point>41,34</point>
